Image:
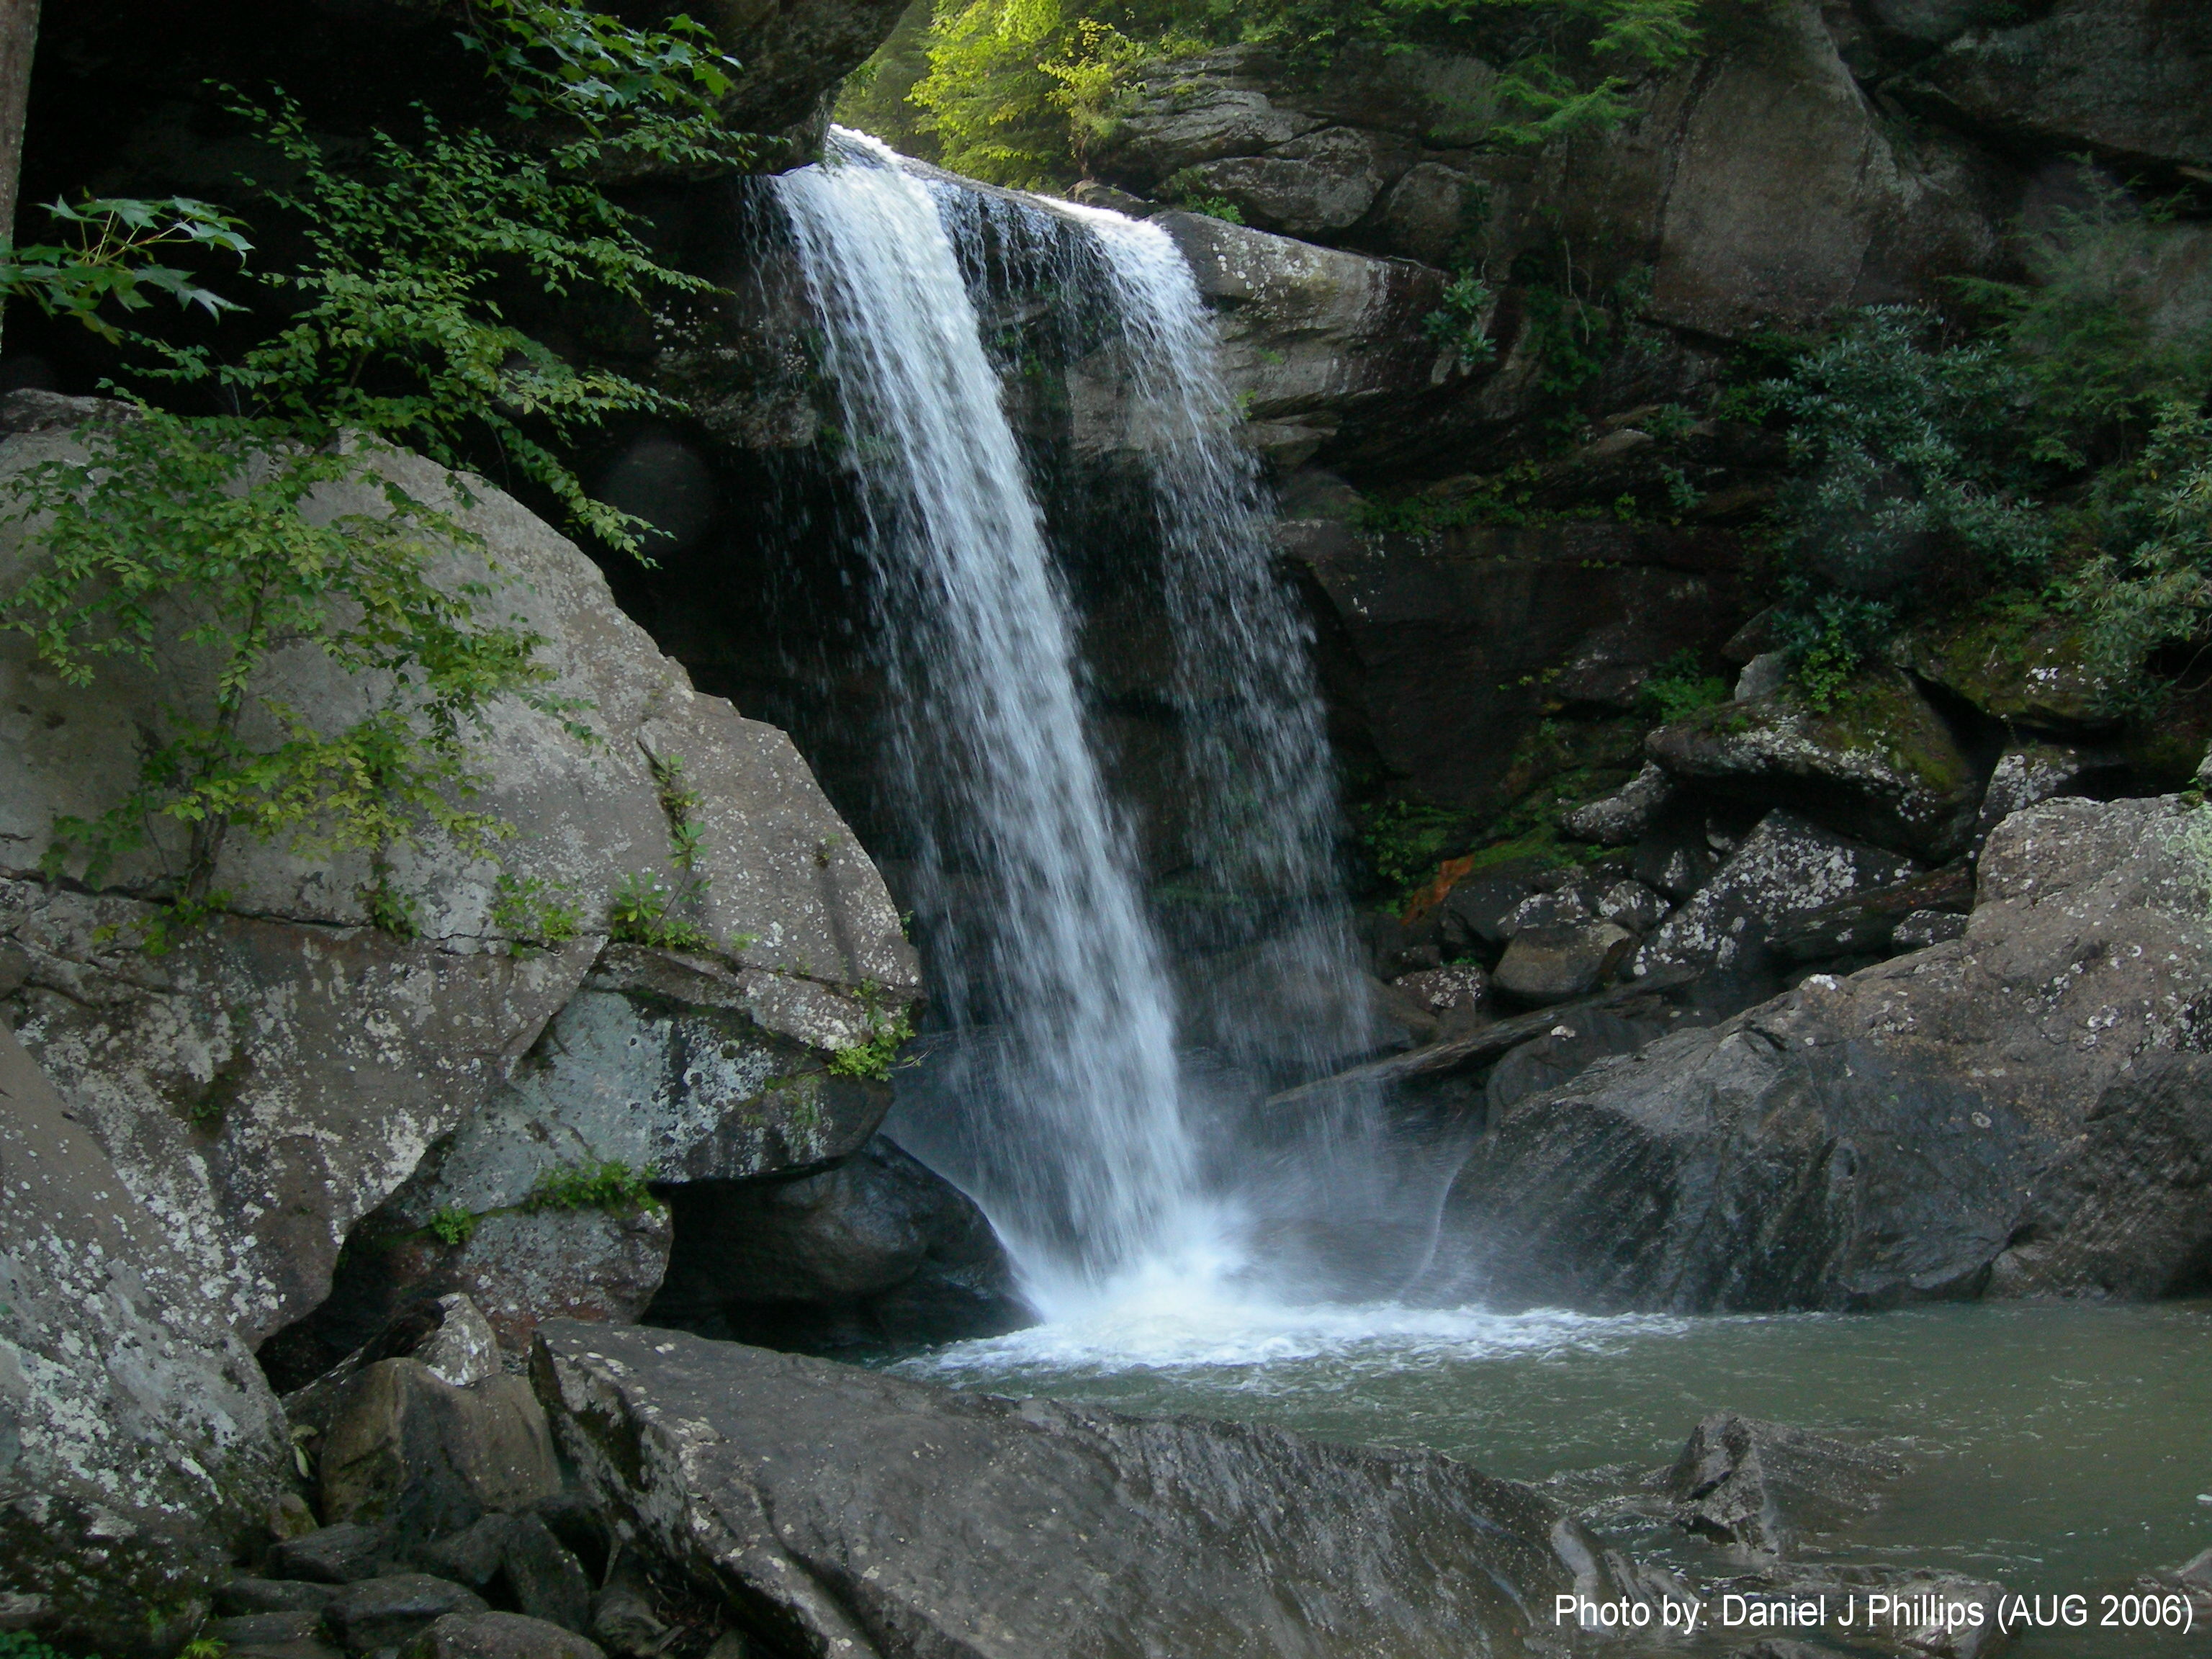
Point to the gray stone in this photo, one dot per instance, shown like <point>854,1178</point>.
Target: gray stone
<point>471,1556</point>
<point>1313,339</point>
<point>548,1581</point>
<point>1475,911</point>
<point>1931,21</point>
<point>250,1594</point>
<point>624,1618</point>
<point>462,1351</point>
<point>2028,773</point>
<point>1561,907</point>
<point>1787,870</point>
<point>1632,905</point>
<point>1786,195</point>
<point>793,58</point>
<point>1765,1486</point>
<point>877,1252</point>
<point>1865,923</point>
<point>1882,765</point>
<point>1921,928</point>
<point>498,1636</point>
<point>2131,77</point>
<point>1763,675</point>
<point>1578,1042</point>
<point>264,1629</point>
<point>1318,182</point>
<point>1551,965</point>
<point>1623,817</point>
<point>423,1459</point>
<point>271,1080</point>
<point>2022,1112</point>
<point>140,1447</point>
<point>336,1554</point>
<point>1457,989</point>
<point>385,1612</point>
<point>907,1519</point>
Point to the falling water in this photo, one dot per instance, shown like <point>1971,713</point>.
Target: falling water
<point>1071,1124</point>
<point>1260,781</point>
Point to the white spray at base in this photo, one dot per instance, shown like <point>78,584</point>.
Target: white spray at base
<point>1071,1119</point>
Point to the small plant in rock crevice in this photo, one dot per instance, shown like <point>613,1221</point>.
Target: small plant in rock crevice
<point>872,1057</point>
<point>1462,321</point>
<point>454,1225</point>
<point>607,1185</point>
<point>641,912</point>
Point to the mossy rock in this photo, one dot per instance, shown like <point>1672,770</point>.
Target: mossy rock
<point>1880,762</point>
<point>2026,666</point>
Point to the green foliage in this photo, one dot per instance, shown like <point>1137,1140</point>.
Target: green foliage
<point>200,518</point>
<point>2064,444</point>
<point>454,1225</point>
<point>21,1644</point>
<point>1402,841</point>
<point>1679,687</point>
<point>1461,322</point>
<point>678,801</point>
<point>872,1056</point>
<point>1187,190</point>
<point>387,334</point>
<point>535,911</point>
<point>1015,90</point>
<point>611,1185</point>
<point>640,912</point>
<point>111,259</point>
<point>2153,582</point>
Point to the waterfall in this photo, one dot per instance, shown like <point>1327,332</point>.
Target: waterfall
<point>1071,1123</point>
<point>1059,1097</point>
<point>1264,822</point>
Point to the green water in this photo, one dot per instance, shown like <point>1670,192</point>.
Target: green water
<point>2055,1449</point>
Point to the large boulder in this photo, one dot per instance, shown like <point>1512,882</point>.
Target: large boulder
<point>2130,78</point>
<point>1879,762</point>
<point>282,1068</point>
<point>876,1253</point>
<point>140,1448</point>
<point>666,1067</point>
<point>2019,1112</point>
<point>847,1511</point>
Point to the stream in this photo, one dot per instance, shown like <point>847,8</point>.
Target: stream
<point>2056,1448</point>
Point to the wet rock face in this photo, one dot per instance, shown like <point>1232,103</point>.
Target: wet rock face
<point>878,1253</point>
<point>2017,1112</point>
<point>139,1445</point>
<point>906,1519</point>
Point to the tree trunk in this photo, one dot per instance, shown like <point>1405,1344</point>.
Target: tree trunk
<point>19,39</point>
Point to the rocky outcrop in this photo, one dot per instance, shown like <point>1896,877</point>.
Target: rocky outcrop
<point>1880,762</point>
<point>139,1445</point>
<point>2019,1112</point>
<point>854,1512</point>
<point>240,1100</point>
<point>2127,78</point>
<point>1319,345</point>
<point>1447,649</point>
<point>281,1071</point>
<point>1760,185</point>
<point>1763,1487</point>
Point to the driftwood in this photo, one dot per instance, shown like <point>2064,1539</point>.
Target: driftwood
<point>1475,1047</point>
